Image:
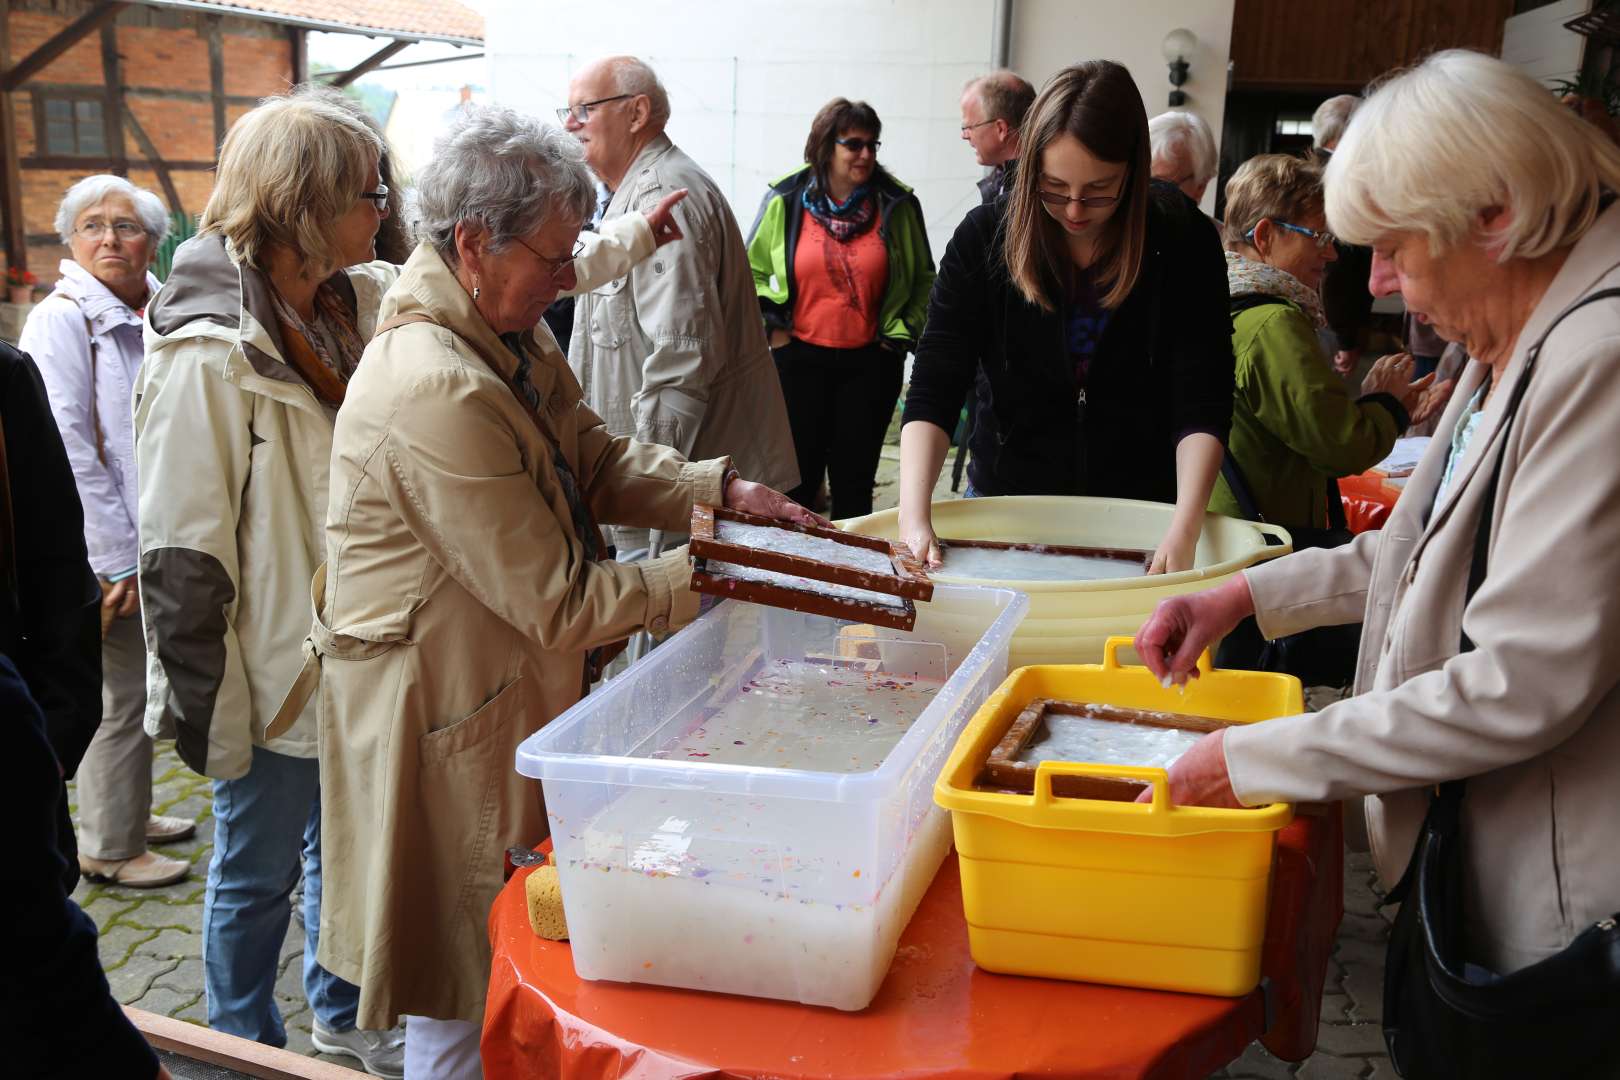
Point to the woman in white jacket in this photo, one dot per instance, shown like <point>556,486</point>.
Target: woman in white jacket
<point>86,339</point>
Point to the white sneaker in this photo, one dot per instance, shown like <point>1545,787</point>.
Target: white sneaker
<point>380,1053</point>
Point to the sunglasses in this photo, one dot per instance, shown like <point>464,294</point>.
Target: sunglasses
<point>1093,202</point>
<point>859,146</point>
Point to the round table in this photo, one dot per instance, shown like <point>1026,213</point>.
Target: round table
<point>936,1015</point>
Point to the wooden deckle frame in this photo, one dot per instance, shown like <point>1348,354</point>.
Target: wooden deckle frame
<point>1004,772</point>
<point>908,582</point>
<point>1140,556</point>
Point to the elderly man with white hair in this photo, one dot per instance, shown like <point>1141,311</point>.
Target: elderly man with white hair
<point>86,339</point>
<point>993,110</point>
<point>1484,727</point>
<point>1184,152</point>
<point>666,353</point>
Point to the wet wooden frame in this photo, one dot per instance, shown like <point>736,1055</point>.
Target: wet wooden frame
<point>1140,556</point>
<point>1004,772</point>
<point>908,582</point>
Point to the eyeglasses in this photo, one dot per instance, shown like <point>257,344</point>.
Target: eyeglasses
<point>582,111</point>
<point>859,146</point>
<point>124,230</point>
<point>556,266</point>
<point>969,127</point>
<point>379,198</point>
<point>1324,239</point>
<point>1060,200</point>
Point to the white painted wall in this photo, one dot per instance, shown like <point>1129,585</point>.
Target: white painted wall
<point>746,76</point>
<point>1049,34</point>
<point>1538,41</point>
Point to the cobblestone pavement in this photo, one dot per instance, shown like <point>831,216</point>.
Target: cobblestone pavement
<point>151,940</point>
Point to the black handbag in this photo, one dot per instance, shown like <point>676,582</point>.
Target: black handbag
<point>1447,1019</point>
<point>1323,656</point>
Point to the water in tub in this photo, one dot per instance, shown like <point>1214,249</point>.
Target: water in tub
<point>1006,564</point>
<point>1108,742</point>
<point>754,895</point>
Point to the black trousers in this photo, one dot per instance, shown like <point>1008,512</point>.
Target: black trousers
<point>839,404</point>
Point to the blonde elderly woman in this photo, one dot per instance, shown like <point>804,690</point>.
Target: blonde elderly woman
<point>86,339</point>
<point>466,587</point>
<point>1490,599</point>
<point>249,347</point>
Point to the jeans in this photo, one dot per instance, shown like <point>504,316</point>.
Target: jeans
<point>263,822</point>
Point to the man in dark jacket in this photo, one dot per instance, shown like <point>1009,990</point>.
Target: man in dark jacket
<point>50,623</point>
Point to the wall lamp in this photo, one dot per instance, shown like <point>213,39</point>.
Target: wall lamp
<point>1178,46</point>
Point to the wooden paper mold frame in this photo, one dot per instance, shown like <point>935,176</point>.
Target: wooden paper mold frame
<point>1138,556</point>
<point>907,582</point>
<point>1004,772</point>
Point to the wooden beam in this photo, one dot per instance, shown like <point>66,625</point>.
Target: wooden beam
<point>112,103</point>
<point>376,59</point>
<point>104,11</point>
<point>155,160</point>
<point>197,1043</point>
<point>216,75</point>
<point>10,170</point>
<point>298,53</point>
<point>37,86</point>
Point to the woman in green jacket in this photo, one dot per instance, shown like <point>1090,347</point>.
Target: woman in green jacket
<point>842,267</point>
<point>1295,428</point>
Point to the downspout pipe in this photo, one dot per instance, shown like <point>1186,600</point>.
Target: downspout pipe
<point>1001,34</point>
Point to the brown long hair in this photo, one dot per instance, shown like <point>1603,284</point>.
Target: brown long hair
<point>1097,102</point>
<point>836,117</point>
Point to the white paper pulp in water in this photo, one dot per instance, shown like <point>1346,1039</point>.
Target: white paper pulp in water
<point>1108,742</point>
<point>804,584</point>
<point>1000,564</point>
<point>789,542</point>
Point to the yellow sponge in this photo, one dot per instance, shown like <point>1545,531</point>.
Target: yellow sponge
<point>544,893</point>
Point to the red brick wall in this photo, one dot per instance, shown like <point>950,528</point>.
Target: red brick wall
<point>159,49</point>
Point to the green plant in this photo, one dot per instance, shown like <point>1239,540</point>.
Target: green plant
<point>182,227</point>
<point>17,276</point>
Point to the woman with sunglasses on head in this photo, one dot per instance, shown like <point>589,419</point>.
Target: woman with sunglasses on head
<point>1086,312</point>
<point>842,266</point>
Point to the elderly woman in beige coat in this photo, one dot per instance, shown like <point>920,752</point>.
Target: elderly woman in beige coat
<point>466,582</point>
<point>1521,226</point>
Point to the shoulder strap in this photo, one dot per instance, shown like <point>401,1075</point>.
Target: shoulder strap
<point>393,322</point>
<point>90,336</point>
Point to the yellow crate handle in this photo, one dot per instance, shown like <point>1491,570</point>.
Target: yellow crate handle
<point>1111,647</point>
<point>1158,779</point>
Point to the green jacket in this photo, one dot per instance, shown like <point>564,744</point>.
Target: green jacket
<point>1295,428</point>
<point>775,237</point>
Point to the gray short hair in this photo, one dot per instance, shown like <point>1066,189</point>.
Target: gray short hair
<point>1005,95</point>
<point>1330,118</point>
<point>1184,136</point>
<point>92,189</point>
<point>1436,146</point>
<point>504,172</point>
<point>634,76</point>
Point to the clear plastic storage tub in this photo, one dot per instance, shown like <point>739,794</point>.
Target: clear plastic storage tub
<point>794,883</point>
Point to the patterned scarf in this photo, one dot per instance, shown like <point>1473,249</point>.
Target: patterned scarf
<point>332,333</point>
<point>590,537</point>
<point>1245,277</point>
<point>843,220</point>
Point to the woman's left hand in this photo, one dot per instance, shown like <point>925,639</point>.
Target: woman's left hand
<point>766,502</point>
<point>661,219</point>
<point>1199,777</point>
<point>1175,553</point>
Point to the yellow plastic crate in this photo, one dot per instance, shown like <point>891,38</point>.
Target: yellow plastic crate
<point>1131,894</point>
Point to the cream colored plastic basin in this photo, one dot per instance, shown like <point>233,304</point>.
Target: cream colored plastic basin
<point>1069,621</point>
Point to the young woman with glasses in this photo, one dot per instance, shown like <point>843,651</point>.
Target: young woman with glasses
<point>842,267</point>
<point>1086,313</point>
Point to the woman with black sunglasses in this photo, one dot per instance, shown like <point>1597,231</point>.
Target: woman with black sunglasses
<point>842,267</point>
<point>1086,311</point>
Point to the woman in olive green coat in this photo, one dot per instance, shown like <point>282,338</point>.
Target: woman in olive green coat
<point>1295,428</point>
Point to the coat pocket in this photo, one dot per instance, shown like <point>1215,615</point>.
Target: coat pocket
<point>612,315</point>
<point>475,729</point>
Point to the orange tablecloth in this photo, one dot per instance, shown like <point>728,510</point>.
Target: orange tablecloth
<point>936,1015</point>
<point>1368,499</point>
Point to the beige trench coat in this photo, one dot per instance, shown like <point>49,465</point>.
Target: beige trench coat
<point>456,613</point>
<point>1532,716</point>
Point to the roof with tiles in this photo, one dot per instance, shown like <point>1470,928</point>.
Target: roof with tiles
<point>444,20</point>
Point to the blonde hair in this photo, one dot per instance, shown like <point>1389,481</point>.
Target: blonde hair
<point>289,169</point>
<point>1097,103</point>
<point>1438,144</point>
<point>1270,186</point>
